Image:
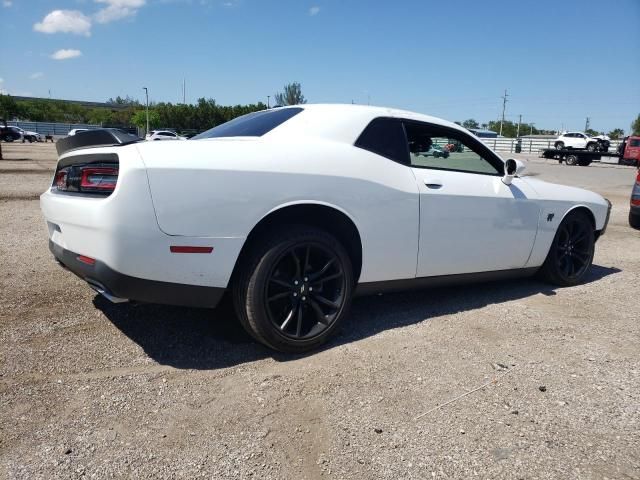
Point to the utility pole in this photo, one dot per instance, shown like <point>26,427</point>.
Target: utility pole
<point>519,122</point>
<point>268,98</point>
<point>531,130</point>
<point>504,106</point>
<point>586,124</point>
<point>146,91</point>
<point>184,91</point>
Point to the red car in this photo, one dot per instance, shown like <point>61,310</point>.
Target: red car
<point>634,212</point>
<point>629,151</point>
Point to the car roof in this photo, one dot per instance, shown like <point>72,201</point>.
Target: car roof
<point>345,122</point>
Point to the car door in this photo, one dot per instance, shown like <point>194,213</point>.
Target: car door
<point>470,221</point>
<point>581,140</point>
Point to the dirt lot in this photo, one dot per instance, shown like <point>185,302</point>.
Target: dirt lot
<point>103,391</point>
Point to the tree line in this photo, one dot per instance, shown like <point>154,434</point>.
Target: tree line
<point>204,114</point>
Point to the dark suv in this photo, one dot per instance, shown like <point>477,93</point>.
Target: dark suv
<point>9,134</point>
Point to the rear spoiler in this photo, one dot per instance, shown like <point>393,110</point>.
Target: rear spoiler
<point>100,137</point>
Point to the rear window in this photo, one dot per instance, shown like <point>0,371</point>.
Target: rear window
<point>253,124</point>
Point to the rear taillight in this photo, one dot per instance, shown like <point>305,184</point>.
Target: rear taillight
<point>98,179</point>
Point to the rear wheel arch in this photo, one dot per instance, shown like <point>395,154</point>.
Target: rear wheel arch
<point>326,217</point>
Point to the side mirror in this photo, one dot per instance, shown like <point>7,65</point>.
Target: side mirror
<point>512,168</point>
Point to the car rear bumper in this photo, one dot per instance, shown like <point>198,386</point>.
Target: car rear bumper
<point>119,287</point>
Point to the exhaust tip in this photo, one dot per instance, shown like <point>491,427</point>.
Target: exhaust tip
<point>105,293</point>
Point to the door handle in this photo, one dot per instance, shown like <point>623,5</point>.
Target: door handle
<point>433,184</point>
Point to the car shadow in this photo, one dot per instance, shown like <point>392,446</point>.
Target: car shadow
<point>204,339</point>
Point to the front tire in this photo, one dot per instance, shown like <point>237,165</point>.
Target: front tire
<point>571,252</point>
<point>294,288</point>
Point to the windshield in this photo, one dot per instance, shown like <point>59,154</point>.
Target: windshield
<point>253,124</point>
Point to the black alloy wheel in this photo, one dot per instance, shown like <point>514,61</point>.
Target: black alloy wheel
<point>571,252</point>
<point>294,288</point>
<point>305,291</point>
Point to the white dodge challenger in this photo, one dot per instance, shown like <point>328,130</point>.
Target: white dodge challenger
<point>295,210</point>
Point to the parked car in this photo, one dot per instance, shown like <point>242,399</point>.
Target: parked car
<point>163,135</point>
<point>436,151</point>
<point>629,151</point>
<point>634,209</point>
<point>75,131</point>
<point>28,136</point>
<point>295,210</point>
<point>10,134</point>
<point>576,140</point>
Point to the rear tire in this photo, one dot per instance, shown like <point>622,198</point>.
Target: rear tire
<point>571,252</point>
<point>571,160</point>
<point>294,288</point>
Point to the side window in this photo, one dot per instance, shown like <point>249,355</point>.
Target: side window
<point>442,148</point>
<point>385,136</point>
<point>634,143</point>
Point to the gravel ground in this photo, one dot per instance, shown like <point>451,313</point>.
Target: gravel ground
<point>91,389</point>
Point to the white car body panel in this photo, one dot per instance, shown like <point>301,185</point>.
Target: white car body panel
<point>557,200</point>
<point>213,192</point>
<point>244,189</point>
<point>474,223</point>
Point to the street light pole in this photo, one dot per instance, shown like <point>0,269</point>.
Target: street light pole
<point>146,91</point>
<point>268,97</point>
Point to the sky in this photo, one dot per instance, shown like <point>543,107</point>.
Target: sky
<point>560,61</point>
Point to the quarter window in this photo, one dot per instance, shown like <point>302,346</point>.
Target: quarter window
<point>441,148</point>
<point>385,136</point>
